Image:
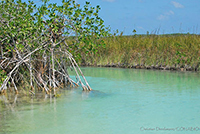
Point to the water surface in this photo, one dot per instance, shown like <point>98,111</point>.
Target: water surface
<point>125,101</point>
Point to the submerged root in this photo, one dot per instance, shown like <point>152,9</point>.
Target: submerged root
<point>32,88</point>
<point>89,88</point>
<point>47,92</point>
<point>31,92</point>
<point>16,92</point>
<point>50,88</point>
<point>10,89</point>
<point>85,88</point>
<point>3,92</point>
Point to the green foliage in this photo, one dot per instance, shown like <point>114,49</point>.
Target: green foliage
<point>134,31</point>
<point>25,22</point>
<point>18,25</point>
<point>2,76</point>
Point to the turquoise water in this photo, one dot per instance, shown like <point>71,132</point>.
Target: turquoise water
<point>124,101</point>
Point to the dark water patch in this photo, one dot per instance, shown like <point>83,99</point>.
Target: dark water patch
<point>94,94</point>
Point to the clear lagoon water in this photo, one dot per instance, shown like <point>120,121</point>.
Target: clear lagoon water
<point>124,101</point>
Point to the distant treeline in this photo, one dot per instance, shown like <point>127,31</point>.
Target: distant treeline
<point>168,51</point>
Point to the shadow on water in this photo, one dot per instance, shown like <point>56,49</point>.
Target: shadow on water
<point>93,94</point>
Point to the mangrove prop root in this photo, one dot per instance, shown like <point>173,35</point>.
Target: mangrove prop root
<point>32,88</point>
<point>31,92</point>
<point>43,66</point>
<point>58,78</point>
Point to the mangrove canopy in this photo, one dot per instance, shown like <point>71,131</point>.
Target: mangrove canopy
<point>35,49</point>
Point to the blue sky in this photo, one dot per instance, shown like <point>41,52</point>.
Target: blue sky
<point>155,16</point>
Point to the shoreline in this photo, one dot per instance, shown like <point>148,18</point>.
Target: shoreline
<point>159,52</point>
<point>157,67</point>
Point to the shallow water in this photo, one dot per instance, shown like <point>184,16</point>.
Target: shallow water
<point>125,101</point>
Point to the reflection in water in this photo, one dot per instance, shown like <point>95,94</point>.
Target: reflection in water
<point>11,102</point>
<point>11,106</point>
<point>7,104</point>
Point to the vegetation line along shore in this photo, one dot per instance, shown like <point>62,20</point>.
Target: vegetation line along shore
<point>166,52</point>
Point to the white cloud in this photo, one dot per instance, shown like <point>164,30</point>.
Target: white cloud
<point>166,15</point>
<point>109,0</point>
<point>177,5</point>
<point>170,13</point>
